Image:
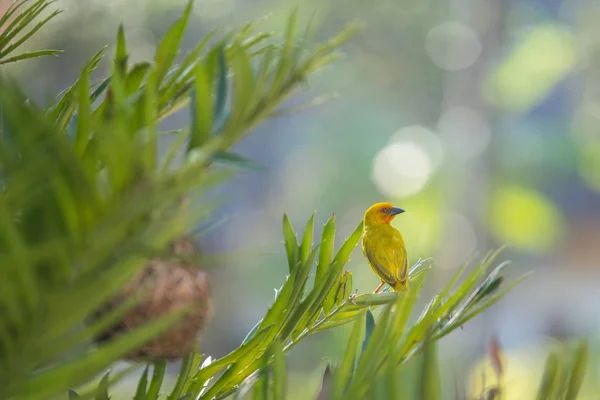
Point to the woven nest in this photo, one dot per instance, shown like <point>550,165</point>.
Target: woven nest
<point>167,286</point>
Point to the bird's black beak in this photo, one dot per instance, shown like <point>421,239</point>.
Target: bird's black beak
<point>396,211</point>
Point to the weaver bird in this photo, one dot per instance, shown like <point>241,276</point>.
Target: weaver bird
<point>383,246</point>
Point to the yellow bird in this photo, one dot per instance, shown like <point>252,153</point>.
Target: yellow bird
<point>383,246</point>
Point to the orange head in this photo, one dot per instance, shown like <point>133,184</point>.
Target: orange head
<point>381,213</point>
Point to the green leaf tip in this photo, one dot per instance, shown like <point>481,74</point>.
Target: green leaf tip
<point>369,327</point>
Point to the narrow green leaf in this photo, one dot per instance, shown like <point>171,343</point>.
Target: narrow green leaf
<point>343,256</point>
<point>341,290</point>
<point>291,243</point>
<point>448,288</point>
<point>184,372</point>
<point>189,378</point>
<point>53,382</point>
<point>306,321</point>
<point>314,301</point>
<point>550,379</point>
<point>263,72</point>
<point>201,108</point>
<point>577,372</point>
<point>331,298</point>
<point>6,51</point>
<point>84,113</point>
<point>327,248</point>
<point>171,43</point>
<point>221,91</point>
<point>236,373</point>
<point>260,391</point>
<point>252,347</point>
<point>136,76</point>
<point>335,323</point>
<point>252,332</point>
<point>348,310</point>
<point>297,310</point>
<point>344,371</point>
<point>158,375</point>
<point>348,286</point>
<point>369,326</point>
<point>73,395</point>
<point>307,238</point>
<point>147,108</point>
<point>121,55</point>
<point>62,111</point>
<point>279,371</point>
<point>491,283</point>
<point>140,392</point>
<point>456,322</point>
<point>12,9</point>
<point>466,288</point>
<point>429,381</point>
<point>243,85</point>
<point>393,385</point>
<point>420,331</point>
<point>30,54</point>
<point>252,41</point>
<point>176,147</point>
<point>489,288</point>
<point>326,385</point>
<point>227,384</point>
<point>102,390</point>
<point>286,61</point>
<point>310,324</point>
<point>236,160</point>
<point>372,356</point>
<point>21,22</point>
<point>100,89</point>
<point>374,299</point>
<point>186,70</point>
<point>278,311</point>
<point>114,379</point>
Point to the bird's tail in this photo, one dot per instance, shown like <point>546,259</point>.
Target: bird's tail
<point>400,286</point>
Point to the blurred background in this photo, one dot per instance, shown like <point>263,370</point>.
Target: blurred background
<point>479,117</point>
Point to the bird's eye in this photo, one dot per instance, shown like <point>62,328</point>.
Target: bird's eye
<point>384,210</point>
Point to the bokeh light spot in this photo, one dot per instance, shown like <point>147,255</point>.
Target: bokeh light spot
<point>405,165</point>
<point>525,219</point>
<point>424,138</point>
<point>401,169</point>
<point>466,134</point>
<point>453,46</point>
<point>538,62</point>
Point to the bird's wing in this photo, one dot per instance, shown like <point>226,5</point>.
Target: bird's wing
<point>389,261</point>
<point>401,263</point>
<point>381,266</point>
<point>400,257</point>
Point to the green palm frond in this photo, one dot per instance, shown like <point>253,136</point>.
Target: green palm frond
<point>86,202</point>
<point>15,29</point>
<point>297,313</point>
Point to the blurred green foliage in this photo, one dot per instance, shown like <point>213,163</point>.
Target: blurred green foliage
<point>228,86</point>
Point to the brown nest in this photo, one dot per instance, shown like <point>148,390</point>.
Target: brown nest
<point>166,285</point>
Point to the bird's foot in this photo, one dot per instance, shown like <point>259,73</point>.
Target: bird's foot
<point>353,297</point>
<point>379,288</point>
